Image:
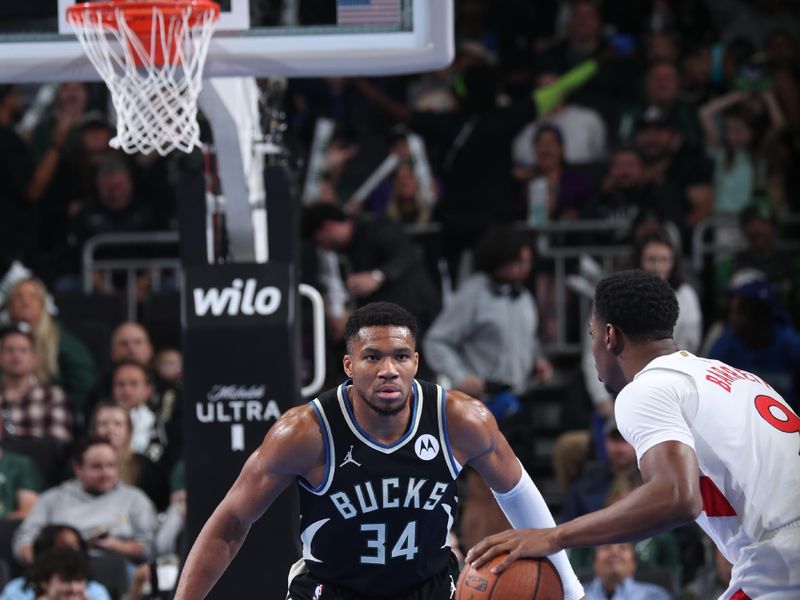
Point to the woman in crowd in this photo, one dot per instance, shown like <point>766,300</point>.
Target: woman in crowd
<point>569,191</point>
<point>656,254</point>
<point>63,358</point>
<point>112,422</point>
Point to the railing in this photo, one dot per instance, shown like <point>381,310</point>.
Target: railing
<point>706,244</point>
<point>106,267</point>
<point>552,244</point>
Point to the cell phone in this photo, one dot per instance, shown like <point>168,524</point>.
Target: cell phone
<point>99,534</point>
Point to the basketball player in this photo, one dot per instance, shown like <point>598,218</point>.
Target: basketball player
<point>714,443</point>
<point>376,461</point>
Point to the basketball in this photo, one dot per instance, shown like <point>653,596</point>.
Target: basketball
<point>525,579</point>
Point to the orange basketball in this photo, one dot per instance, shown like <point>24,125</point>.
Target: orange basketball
<point>525,579</point>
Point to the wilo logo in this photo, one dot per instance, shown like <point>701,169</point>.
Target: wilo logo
<point>241,297</point>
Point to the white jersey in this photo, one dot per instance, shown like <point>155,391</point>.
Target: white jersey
<point>745,436</point>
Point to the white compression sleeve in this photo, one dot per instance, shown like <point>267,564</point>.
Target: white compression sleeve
<point>524,507</point>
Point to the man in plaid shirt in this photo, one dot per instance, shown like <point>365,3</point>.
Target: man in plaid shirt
<point>28,407</point>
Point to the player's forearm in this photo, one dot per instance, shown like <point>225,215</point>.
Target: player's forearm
<point>215,548</point>
<point>653,508</point>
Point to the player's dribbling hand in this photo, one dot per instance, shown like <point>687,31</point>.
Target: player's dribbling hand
<point>518,543</point>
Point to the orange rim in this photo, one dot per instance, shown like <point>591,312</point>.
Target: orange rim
<point>139,14</point>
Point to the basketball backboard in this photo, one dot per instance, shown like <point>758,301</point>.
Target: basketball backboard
<point>293,38</point>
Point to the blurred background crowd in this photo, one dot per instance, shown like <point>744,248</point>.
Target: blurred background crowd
<point>487,210</point>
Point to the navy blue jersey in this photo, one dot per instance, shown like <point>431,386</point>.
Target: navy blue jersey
<point>379,523</point>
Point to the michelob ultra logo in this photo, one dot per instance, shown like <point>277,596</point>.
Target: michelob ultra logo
<point>242,297</point>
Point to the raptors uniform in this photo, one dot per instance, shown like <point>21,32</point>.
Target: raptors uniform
<point>747,442</point>
<point>378,526</point>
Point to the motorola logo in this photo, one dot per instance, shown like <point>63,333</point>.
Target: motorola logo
<point>426,447</point>
<point>242,297</point>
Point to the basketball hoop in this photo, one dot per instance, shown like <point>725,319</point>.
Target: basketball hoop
<point>151,56</point>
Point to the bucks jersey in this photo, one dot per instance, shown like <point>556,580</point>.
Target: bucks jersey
<point>379,523</point>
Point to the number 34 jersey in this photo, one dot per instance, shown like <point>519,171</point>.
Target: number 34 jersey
<point>379,523</point>
<point>745,437</point>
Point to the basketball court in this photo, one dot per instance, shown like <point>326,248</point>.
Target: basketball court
<point>162,60</point>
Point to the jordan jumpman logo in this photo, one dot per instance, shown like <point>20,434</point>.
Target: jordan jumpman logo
<point>348,458</point>
<point>452,587</point>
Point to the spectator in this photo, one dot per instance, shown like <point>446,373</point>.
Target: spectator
<point>399,198</point>
<point>113,422</point>
<point>583,130</point>
<point>739,152</point>
<point>20,484</point>
<point>168,365</point>
<point>487,334</point>
<point>113,517</point>
<point>61,357</point>
<point>24,178</point>
<point>627,194</point>
<point>782,58</point>
<point>662,88</point>
<point>569,191</point>
<point>74,182</point>
<point>757,339</point>
<point>474,144</point>
<point>60,126</point>
<point>54,536</point>
<point>131,389</point>
<point>585,39</point>
<point>117,210</point>
<point>763,253</point>
<point>656,254</point>
<point>131,342</point>
<point>16,173</point>
<point>671,162</point>
<point>614,570</point>
<point>712,581</point>
<point>29,406</point>
<point>591,490</point>
<point>60,574</point>
<point>383,262</point>
<point>695,73</point>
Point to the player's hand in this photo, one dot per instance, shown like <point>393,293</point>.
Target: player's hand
<point>518,543</point>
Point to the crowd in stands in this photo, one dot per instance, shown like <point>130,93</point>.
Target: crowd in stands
<point>663,125</point>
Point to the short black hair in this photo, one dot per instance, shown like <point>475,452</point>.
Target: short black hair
<point>68,564</point>
<point>627,148</point>
<point>548,128</point>
<point>7,331</point>
<point>129,362</point>
<point>641,305</point>
<point>498,247</point>
<point>379,314</point>
<point>317,214</point>
<point>46,540</point>
<point>83,446</point>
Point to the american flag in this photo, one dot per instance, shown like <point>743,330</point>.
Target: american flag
<point>368,12</point>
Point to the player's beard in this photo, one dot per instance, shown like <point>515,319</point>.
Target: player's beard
<point>383,411</point>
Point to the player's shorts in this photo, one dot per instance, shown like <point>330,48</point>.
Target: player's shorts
<point>304,586</point>
<point>769,569</point>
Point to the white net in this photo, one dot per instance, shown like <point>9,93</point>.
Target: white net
<point>152,60</point>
